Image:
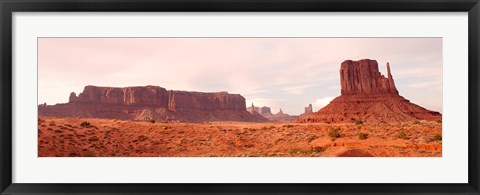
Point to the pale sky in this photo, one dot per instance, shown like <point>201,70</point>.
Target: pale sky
<point>286,73</point>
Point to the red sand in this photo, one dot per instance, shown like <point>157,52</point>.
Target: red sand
<point>107,138</point>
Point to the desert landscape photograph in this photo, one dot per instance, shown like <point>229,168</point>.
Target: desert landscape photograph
<point>239,97</point>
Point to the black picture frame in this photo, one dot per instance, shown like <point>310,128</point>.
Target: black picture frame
<point>10,6</point>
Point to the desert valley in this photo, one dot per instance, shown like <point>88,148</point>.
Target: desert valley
<point>368,119</point>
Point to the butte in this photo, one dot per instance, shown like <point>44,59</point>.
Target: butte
<point>369,96</point>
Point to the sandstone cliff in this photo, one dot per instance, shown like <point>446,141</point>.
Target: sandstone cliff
<point>368,96</point>
<point>152,103</point>
<point>363,77</point>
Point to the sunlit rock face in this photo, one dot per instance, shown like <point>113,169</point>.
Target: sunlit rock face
<point>368,96</point>
<point>363,78</point>
<point>152,103</point>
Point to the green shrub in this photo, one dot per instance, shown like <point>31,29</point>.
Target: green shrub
<point>358,121</point>
<point>294,151</point>
<point>142,138</point>
<point>93,138</point>
<point>428,139</point>
<point>334,133</point>
<point>362,136</point>
<point>310,152</point>
<point>402,135</point>
<point>85,124</point>
<point>437,137</point>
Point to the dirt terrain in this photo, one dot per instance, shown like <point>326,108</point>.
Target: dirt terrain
<point>88,137</point>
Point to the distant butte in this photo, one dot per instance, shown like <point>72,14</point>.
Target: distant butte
<point>152,103</point>
<point>369,96</point>
<point>267,113</point>
<point>308,110</point>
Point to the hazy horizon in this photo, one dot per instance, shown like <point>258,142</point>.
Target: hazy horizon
<point>281,73</point>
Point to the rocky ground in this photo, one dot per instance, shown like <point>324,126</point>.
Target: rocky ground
<point>108,138</point>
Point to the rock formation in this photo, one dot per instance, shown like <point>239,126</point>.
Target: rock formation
<point>267,113</point>
<point>282,117</point>
<point>308,109</point>
<point>280,113</point>
<point>152,103</point>
<point>368,96</point>
<point>264,110</point>
<point>363,77</point>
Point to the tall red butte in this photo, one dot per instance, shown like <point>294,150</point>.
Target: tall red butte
<point>368,96</point>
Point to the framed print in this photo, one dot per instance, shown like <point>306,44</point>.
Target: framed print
<point>243,97</point>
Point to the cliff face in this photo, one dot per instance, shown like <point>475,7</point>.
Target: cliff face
<point>206,101</point>
<point>369,96</point>
<point>160,97</point>
<point>363,77</point>
<point>151,102</point>
<point>128,96</point>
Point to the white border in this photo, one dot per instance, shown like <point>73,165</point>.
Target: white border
<point>451,168</point>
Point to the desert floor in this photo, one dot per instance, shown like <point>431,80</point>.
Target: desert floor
<point>108,138</point>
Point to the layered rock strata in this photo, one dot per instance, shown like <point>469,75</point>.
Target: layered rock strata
<point>152,103</point>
